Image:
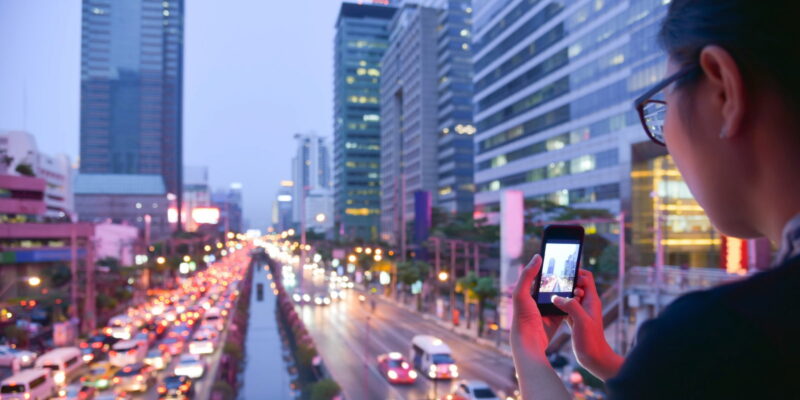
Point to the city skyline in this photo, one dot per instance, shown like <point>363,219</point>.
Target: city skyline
<point>46,101</point>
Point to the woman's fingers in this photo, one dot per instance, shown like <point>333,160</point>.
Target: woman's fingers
<point>522,293</point>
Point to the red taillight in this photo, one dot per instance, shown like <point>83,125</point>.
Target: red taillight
<point>162,389</point>
<point>84,345</point>
<point>112,353</point>
<point>97,345</point>
<point>132,351</point>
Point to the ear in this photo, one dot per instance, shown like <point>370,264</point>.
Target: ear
<point>728,89</point>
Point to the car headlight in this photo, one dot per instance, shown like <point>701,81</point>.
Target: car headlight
<point>62,393</point>
<point>432,368</point>
<point>453,368</point>
<point>102,382</point>
<point>432,374</point>
<point>392,375</point>
<point>412,374</point>
<point>59,377</point>
<point>26,358</point>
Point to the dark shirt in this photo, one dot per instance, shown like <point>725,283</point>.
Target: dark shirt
<point>736,341</point>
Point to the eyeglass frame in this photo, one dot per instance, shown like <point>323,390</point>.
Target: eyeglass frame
<point>645,99</point>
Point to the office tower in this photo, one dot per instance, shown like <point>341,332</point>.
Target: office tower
<point>408,116</point>
<point>455,188</point>
<point>554,82</point>
<point>229,203</point>
<point>311,174</point>
<point>131,84</point>
<point>282,207</point>
<point>361,40</point>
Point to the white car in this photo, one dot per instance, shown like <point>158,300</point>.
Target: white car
<point>127,352</point>
<point>190,365</point>
<point>25,357</point>
<point>202,342</point>
<point>473,390</point>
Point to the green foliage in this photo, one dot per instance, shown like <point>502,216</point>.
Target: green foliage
<point>105,302</point>
<point>305,354</point>
<point>223,389</point>
<point>233,350</point>
<point>25,169</point>
<point>463,226</point>
<point>411,271</point>
<point>480,289</point>
<point>365,261</point>
<point>58,275</point>
<point>325,389</point>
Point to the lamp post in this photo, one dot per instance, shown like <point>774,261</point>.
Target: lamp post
<point>32,281</point>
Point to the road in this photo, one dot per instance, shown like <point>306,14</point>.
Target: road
<point>350,337</point>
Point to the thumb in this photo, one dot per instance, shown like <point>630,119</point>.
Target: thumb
<point>522,292</point>
<point>572,307</point>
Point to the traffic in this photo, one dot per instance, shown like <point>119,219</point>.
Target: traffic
<point>161,348</point>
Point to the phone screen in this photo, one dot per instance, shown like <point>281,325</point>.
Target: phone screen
<point>558,269</point>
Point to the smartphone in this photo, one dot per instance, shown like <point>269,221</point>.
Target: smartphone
<point>561,255</point>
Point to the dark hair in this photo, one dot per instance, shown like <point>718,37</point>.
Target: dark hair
<point>763,36</point>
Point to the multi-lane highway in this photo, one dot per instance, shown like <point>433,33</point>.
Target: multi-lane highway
<point>350,336</point>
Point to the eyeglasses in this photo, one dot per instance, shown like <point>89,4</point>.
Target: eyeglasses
<point>652,106</point>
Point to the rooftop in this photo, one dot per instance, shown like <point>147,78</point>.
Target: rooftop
<point>119,184</point>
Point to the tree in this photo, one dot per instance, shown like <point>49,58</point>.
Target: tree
<point>325,389</point>
<point>410,272</point>
<point>480,289</point>
<point>607,266</point>
<point>25,169</point>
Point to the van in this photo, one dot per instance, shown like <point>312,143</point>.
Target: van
<point>432,357</point>
<point>30,384</point>
<point>64,363</point>
<point>214,318</point>
<point>127,352</point>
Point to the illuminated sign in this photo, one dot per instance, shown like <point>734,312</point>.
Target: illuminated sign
<point>205,215</point>
<point>734,255</point>
<point>285,198</point>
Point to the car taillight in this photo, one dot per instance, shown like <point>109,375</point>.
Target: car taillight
<point>116,379</point>
<point>162,389</point>
<point>84,345</point>
<point>184,387</point>
<point>97,345</point>
<point>112,353</point>
<point>139,378</point>
<point>132,351</point>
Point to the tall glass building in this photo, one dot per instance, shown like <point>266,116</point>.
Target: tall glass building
<point>455,188</point>
<point>131,88</point>
<point>554,81</point>
<point>361,40</point>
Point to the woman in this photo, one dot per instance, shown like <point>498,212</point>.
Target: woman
<point>729,114</point>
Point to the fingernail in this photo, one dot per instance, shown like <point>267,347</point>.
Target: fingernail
<point>556,299</point>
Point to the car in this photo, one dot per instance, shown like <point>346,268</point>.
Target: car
<point>145,337</point>
<point>190,365</point>
<point>176,387</point>
<point>134,378</point>
<point>396,369</point>
<point>100,341</point>
<point>77,391</point>
<point>113,396</point>
<point>89,354</point>
<point>99,375</point>
<point>180,330</point>
<point>127,352</point>
<point>25,357</point>
<point>171,345</point>
<point>203,342</point>
<point>472,390</point>
<point>157,359</point>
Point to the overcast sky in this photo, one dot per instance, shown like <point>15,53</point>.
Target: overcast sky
<point>255,72</point>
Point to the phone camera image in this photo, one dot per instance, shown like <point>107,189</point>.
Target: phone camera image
<point>558,269</point>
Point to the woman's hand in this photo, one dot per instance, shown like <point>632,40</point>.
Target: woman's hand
<point>585,318</point>
<point>529,339</point>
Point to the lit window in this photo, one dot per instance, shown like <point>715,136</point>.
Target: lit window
<point>372,117</point>
<point>464,46</point>
<point>445,191</point>
<point>618,59</point>
<point>350,80</point>
<point>464,32</point>
<point>361,71</point>
<point>494,185</point>
<point>166,13</point>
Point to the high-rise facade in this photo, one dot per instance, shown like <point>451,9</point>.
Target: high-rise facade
<point>361,40</point>
<point>409,114</point>
<point>554,81</point>
<point>455,188</point>
<point>311,173</point>
<point>131,89</point>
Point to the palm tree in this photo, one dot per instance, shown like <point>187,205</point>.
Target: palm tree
<point>481,289</point>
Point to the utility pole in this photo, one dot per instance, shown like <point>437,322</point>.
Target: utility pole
<point>476,257</point>
<point>659,262</point>
<point>73,269</point>
<point>302,233</point>
<point>452,278</point>
<point>621,323</point>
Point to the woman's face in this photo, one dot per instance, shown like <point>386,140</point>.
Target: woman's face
<point>711,167</point>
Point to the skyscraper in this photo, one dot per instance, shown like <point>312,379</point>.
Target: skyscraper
<point>311,173</point>
<point>131,85</point>
<point>361,40</point>
<point>553,82</point>
<point>456,187</point>
<point>408,116</point>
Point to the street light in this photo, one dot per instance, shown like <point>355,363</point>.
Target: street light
<point>351,258</point>
<point>186,258</point>
<point>34,281</point>
<point>377,257</point>
<point>320,218</point>
<point>207,248</point>
<point>443,276</point>
<point>161,260</point>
